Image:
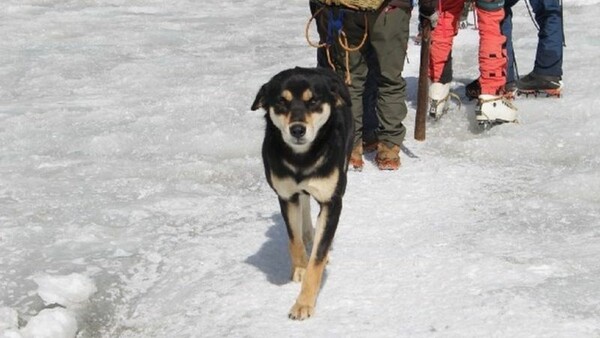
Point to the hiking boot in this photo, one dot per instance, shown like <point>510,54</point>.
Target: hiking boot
<point>356,158</point>
<point>387,158</point>
<point>510,89</point>
<point>473,89</point>
<point>495,109</point>
<point>438,99</point>
<point>533,83</point>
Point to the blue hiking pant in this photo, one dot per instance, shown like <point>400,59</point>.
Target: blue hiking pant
<point>511,71</point>
<point>549,53</point>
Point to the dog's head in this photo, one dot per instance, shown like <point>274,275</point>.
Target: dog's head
<point>300,101</point>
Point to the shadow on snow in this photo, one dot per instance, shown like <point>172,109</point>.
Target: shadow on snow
<point>273,258</point>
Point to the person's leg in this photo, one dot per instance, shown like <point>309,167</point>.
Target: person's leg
<point>440,57</point>
<point>492,61</point>
<point>357,68</point>
<point>511,72</point>
<point>442,38</point>
<point>354,29</point>
<point>546,76</point>
<point>549,54</point>
<point>370,121</point>
<point>492,106</point>
<point>473,89</point>
<point>389,38</point>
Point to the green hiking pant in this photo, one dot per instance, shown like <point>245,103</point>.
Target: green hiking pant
<point>387,36</point>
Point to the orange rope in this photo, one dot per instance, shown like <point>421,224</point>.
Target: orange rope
<point>306,29</point>
<point>344,43</point>
<point>342,39</point>
<point>329,60</point>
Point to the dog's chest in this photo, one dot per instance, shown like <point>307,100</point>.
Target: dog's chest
<point>321,188</point>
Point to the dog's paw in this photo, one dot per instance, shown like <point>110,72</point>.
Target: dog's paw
<point>298,273</point>
<point>301,312</point>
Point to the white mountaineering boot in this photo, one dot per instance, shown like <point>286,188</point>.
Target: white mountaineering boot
<point>439,95</point>
<point>494,109</point>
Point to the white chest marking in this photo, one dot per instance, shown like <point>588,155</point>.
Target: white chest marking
<point>321,188</point>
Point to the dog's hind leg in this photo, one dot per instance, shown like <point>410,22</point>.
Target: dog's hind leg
<point>307,227</point>
<point>292,215</point>
<point>326,226</point>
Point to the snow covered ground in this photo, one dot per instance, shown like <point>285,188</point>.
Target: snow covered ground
<point>129,155</point>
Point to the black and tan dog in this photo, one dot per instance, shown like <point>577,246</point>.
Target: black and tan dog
<point>305,152</point>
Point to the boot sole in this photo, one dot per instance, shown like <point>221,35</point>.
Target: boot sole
<point>535,92</point>
<point>388,164</point>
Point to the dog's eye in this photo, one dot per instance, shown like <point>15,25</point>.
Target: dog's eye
<point>313,102</point>
<point>282,101</point>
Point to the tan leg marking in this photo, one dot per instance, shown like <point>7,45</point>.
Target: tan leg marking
<point>311,284</point>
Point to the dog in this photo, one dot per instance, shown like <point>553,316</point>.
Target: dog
<point>306,149</point>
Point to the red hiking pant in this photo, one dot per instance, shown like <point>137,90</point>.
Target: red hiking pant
<point>492,53</point>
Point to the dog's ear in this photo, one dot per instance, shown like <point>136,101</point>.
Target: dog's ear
<point>259,101</point>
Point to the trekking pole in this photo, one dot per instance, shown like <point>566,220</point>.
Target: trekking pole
<point>562,24</point>
<point>423,87</point>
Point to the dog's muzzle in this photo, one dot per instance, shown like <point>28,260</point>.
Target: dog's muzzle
<point>297,130</point>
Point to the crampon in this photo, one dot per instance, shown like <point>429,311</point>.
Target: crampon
<point>437,109</point>
<point>547,92</point>
<point>536,84</point>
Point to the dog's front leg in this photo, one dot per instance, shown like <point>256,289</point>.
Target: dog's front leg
<point>308,232</point>
<point>292,215</point>
<point>326,225</point>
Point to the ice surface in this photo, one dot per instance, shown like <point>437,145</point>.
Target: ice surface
<point>51,323</point>
<point>129,154</point>
<point>68,291</point>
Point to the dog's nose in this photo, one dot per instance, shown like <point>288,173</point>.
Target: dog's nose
<point>297,130</point>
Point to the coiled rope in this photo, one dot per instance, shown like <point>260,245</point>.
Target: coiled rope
<point>335,26</point>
